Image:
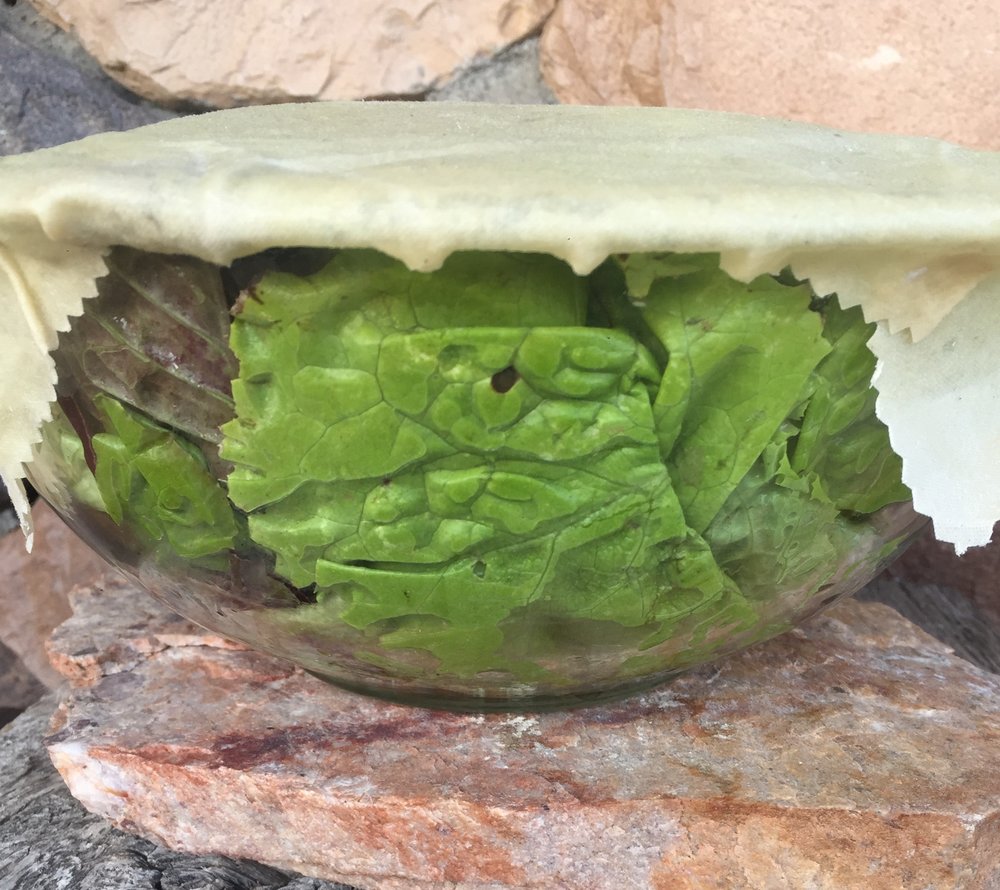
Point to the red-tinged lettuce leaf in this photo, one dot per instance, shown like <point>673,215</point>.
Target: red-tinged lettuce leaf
<point>155,337</point>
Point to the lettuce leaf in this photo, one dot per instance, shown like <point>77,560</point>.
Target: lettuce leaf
<point>154,481</point>
<point>739,356</point>
<point>842,443</point>
<point>309,352</point>
<point>155,337</point>
<point>438,453</point>
<point>773,535</point>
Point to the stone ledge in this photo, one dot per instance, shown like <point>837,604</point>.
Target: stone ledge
<point>49,842</point>
<point>854,752</point>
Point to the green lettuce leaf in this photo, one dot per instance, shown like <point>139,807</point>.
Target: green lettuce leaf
<point>644,270</point>
<point>153,480</point>
<point>61,468</point>
<point>769,536</point>
<point>842,443</point>
<point>740,356</point>
<point>778,532</point>
<point>300,339</point>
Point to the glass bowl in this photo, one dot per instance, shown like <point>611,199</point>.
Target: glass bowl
<point>498,485</point>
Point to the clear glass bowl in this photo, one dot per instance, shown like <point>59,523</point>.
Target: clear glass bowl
<point>495,486</point>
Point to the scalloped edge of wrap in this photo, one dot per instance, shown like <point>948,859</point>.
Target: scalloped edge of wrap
<point>905,227</point>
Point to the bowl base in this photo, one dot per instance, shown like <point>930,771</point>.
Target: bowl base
<point>517,702</point>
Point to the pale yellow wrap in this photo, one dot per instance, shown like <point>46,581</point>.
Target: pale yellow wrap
<point>908,228</point>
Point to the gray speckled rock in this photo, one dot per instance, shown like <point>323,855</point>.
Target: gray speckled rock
<point>19,17</point>
<point>51,92</point>
<point>49,842</point>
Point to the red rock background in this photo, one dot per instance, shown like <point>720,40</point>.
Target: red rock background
<point>919,68</point>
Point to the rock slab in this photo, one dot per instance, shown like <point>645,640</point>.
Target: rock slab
<point>882,66</point>
<point>234,52</point>
<point>49,842</point>
<point>853,752</point>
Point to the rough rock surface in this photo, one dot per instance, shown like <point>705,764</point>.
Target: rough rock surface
<point>95,644</point>
<point>51,92</point>
<point>884,66</point>
<point>33,587</point>
<point>854,752</point>
<point>233,52</point>
<point>49,842</point>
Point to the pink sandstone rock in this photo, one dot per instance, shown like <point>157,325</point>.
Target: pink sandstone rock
<point>233,52</point>
<point>853,752</point>
<point>919,67</point>
<point>33,587</point>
